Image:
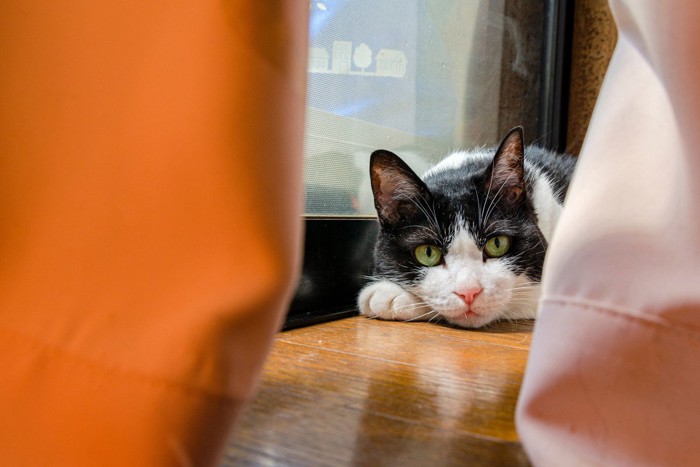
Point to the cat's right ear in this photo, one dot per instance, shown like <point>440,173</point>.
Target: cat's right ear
<point>398,191</point>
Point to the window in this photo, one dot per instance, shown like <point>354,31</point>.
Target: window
<point>420,78</point>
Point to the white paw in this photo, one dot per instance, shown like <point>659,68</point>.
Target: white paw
<point>387,300</point>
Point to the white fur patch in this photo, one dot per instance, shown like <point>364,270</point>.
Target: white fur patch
<point>387,300</point>
<point>504,294</point>
<point>546,205</point>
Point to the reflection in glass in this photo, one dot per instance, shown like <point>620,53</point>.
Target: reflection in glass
<point>420,78</point>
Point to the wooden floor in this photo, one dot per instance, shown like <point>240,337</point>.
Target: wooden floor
<point>368,392</point>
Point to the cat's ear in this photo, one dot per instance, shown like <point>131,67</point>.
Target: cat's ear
<point>398,191</point>
<point>505,177</point>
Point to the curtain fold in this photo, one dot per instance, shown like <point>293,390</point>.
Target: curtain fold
<point>612,377</point>
<point>150,222</point>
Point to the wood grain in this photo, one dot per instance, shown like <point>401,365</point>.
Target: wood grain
<point>369,392</point>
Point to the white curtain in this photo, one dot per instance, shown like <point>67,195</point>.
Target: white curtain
<point>614,371</point>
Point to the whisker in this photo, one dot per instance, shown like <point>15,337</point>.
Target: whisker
<point>419,317</point>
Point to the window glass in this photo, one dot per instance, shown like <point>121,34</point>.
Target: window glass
<point>418,77</point>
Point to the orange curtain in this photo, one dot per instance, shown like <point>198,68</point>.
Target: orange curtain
<point>613,372</point>
<point>150,198</point>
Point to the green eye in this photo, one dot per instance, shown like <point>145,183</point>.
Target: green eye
<point>428,255</point>
<point>497,246</point>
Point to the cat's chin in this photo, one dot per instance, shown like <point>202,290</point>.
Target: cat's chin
<point>469,320</point>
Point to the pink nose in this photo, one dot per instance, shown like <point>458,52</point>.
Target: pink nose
<point>469,295</point>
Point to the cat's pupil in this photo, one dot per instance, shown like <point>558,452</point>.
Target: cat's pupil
<point>497,242</point>
<point>429,252</point>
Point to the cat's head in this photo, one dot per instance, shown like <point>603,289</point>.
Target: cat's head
<point>465,241</point>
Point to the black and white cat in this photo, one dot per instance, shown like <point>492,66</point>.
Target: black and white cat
<point>467,243</point>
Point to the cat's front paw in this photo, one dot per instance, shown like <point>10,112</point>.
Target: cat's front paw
<point>387,300</point>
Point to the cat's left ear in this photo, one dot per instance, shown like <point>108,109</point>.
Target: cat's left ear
<point>505,176</point>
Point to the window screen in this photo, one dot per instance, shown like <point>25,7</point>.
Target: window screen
<point>418,77</point>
